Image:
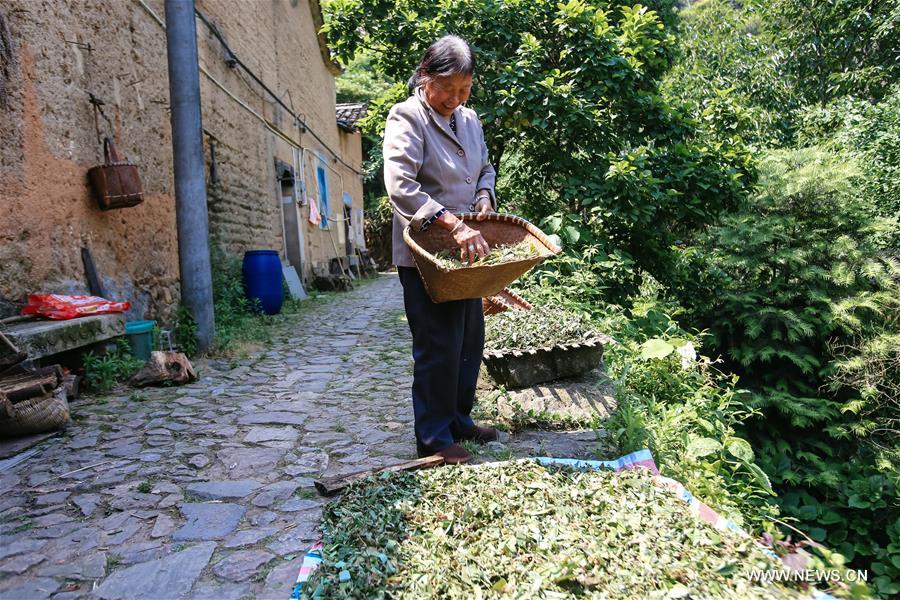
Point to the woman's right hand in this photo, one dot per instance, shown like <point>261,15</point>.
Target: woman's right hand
<point>471,243</point>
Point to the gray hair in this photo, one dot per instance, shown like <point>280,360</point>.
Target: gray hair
<point>450,55</point>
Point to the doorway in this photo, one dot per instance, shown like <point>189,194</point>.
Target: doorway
<point>290,215</point>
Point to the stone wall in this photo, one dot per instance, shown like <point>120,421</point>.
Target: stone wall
<point>69,51</point>
<point>66,51</point>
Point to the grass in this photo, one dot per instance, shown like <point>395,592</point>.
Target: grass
<point>473,448</point>
<point>137,396</point>
<point>25,525</point>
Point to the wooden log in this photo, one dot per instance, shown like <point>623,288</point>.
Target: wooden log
<point>9,353</point>
<point>94,283</point>
<point>23,385</point>
<point>73,385</point>
<point>165,366</point>
<point>333,485</point>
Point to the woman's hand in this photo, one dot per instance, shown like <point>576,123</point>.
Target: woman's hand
<point>483,207</point>
<point>470,241</point>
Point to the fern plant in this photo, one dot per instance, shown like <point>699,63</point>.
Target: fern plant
<point>804,269</point>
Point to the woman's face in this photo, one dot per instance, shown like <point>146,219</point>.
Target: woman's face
<point>445,94</point>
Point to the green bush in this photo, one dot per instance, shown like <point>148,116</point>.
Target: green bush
<point>378,231</point>
<point>802,271</point>
<point>359,82</point>
<point>236,318</point>
<point>688,413</point>
<point>732,74</point>
<point>568,94</point>
<point>868,133</point>
<point>104,371</point>
<point>185,330</point>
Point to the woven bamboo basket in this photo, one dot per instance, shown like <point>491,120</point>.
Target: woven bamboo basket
<point>444,285</point>
<point>504,301</point>
<point>38,414</point>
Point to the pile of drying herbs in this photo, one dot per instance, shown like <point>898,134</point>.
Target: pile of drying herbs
<point>519,529</point>
<point>540,327</point>
<point>499,254</point>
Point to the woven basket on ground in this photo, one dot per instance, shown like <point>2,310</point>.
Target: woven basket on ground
<point>444,285</point>
<point>47,412</point>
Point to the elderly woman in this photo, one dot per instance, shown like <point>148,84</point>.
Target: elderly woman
<point>435,164</point>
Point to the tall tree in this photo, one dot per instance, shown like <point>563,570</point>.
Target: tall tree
<point>838,47</point>
<point>568,92</point>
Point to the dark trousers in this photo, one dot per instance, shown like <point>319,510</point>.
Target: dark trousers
<point>448,339</point>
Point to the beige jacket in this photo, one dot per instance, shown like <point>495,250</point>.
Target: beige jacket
<point>427,166</point>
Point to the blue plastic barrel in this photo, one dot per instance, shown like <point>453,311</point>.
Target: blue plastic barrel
<point>262,280</point>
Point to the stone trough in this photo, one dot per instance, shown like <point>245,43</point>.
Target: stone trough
<point>41,338</point>
<point>518,369</point>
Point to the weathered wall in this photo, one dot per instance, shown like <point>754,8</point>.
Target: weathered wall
<point>49,140</point>
<point>277,41</point>
<point>351,151</point>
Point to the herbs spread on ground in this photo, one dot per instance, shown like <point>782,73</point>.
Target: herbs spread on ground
<point>499,254</point>
<point>522,530</point>
<point>540,327</point>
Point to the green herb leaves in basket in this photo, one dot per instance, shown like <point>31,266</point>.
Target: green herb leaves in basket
<point>499,254</point>
<point>541,327</point>
<point>520,530</point>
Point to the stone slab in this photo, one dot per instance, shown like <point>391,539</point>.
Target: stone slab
<point>42,338</point>
<point>12,446</point>
<point>274,492</point>
<point>268,434</point>
<point>250,462</point>
<point>220,490</point>
<point>169,577</point>
<point>582,398</point>
<point>208,521</point>
<point>30,589</point>
<point>273,418</point>
<point>249,537</point>
<point>242,565</point>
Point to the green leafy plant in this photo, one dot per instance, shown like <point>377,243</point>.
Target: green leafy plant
<point>731,73</point>
<point>359,82</point>
<point>688,414</point>
<point>103,371</point>
<point>836,48</point>
<point>568,94</point>
<point>185,330</point>
<point>803,271</point>
<point>528,531</point>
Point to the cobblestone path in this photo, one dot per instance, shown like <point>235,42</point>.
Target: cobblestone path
<point>205,490</point>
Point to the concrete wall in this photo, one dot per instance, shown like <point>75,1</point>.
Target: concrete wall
<point>115,50</point>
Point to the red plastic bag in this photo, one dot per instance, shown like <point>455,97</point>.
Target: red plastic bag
<point>54,306</point>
